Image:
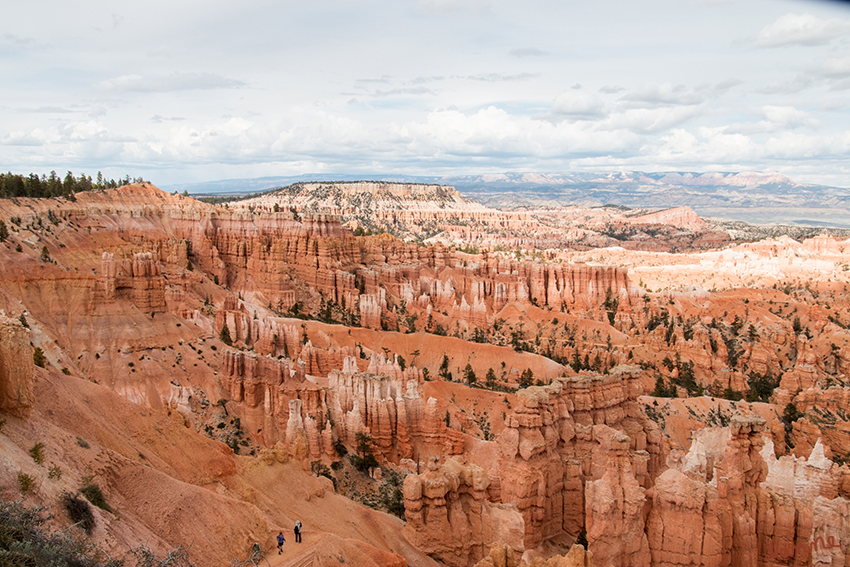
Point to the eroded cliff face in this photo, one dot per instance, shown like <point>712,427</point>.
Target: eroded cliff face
<point>16,368</point>
<point>554,442</point>
<point>450,518</point>
<point>573,456</point>
<point>730,501</point>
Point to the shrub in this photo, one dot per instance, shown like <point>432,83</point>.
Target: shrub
<point>526,378</point>
<point>37,453</point>
<point>82,443</point>
<point>94,495</point>
<point>54,473</point>
<point>26,482</point>
<point>582,539</point>
<point>79,511</point>
<point>25,542</point>
<point>38,357</point>
<point>395,503</point>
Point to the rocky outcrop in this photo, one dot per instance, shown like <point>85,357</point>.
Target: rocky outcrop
<point>449,517</point>
<point>614,507</point>
<point>553,444</point>
<point>803,512</point>
<point>748,507</point>
<point>266,388</point>
<point>682,217</point>
<point>16,368</point>
<point>139,278</point>
<point>385,403</point>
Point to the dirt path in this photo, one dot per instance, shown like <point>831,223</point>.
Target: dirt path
<point>294,554</point>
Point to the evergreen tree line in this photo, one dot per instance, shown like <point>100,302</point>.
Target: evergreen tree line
<point>46,186</point>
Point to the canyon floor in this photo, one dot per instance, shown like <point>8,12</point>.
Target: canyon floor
<point>421,379</point>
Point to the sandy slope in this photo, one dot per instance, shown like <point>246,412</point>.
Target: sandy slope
<point>169,486</point>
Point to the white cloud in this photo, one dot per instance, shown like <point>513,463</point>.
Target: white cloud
<point>169,83</point>
<point>775,119</point>
<point>650,120</point>
<point>496,77</point>
<point>801,29</point>
<point>527,52</point>
<point>789,117</point>
<point>652,95</point>
<point>446,6</point>
<point>577,105</point>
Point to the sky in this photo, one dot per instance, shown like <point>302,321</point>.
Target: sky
<point>183,91</point>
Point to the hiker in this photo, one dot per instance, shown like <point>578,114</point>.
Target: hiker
<point>255,549</point>
<point>298,531</point>
<point>280,542</point>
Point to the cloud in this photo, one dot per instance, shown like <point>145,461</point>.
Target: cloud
<point>448,6</point>
<point>169,83</point>
<point>776,119</point>
<point>21,139</point>
<point>833,72</point>
<point>652,95</point>
<point>576,105</point>
<point>19,41</point>
<point>801,29</point>
<point>385,79</point>
<point>492,135</point>
<point>424,80</point>
<point>403,91</point>
<point>157,119</point>
<point>611,89</point>
<point>47,110</point>
<point>496,77</point>
<point>527,52</point>
<point>727,84</point>
<point>649,120</point>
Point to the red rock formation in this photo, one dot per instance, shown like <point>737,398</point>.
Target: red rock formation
<point>614,506</point>
<point>385,402</point>
<point>139,277</point>
<point>549,450</point>
<point>449,517</point>
<point>266,387</point>
<point>16,368</point>
<point>682,217</point>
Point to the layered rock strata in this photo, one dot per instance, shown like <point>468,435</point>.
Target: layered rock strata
<point>16,368</point>
<point>449,517</point>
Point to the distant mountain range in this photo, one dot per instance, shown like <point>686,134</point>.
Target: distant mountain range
<point>754,197</point>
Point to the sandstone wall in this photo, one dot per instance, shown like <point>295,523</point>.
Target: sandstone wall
<point>16,368</point>
<point>449,517</point>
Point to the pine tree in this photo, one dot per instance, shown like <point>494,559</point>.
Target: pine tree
<point>469,374</point>
<point>490,378</point>
<point>224,335</point>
